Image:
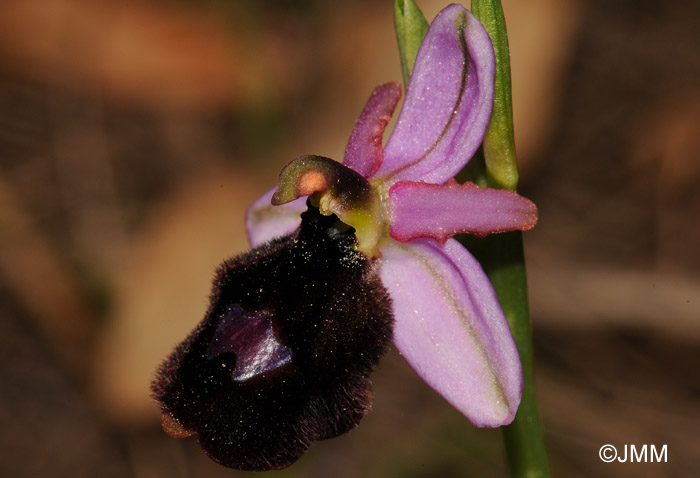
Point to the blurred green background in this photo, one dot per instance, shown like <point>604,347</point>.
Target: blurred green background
<point>133,135</point>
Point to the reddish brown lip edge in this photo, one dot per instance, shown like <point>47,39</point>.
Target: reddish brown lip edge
<point>173,428</point>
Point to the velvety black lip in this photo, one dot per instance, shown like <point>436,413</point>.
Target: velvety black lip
<point>326,308</point>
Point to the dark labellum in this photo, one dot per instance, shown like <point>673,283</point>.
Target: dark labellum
<point>284,353</point>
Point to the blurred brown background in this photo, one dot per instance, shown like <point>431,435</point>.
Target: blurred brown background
<point>133,134</point>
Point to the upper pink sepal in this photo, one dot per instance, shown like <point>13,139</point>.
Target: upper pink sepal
<point>418,209</point>
<point>448,102</point>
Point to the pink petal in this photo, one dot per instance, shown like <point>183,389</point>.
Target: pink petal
<point>451,329</point>
<point>418,209</point>
<point>264,222</point>
<point>448,102</point>
<point>364,150</point>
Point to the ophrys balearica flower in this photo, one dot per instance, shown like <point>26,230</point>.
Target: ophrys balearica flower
<point>346,253</point>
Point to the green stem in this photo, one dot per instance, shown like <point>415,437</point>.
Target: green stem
<point>501,255</point>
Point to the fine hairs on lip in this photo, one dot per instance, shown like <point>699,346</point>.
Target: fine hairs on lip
<point>313,320</point>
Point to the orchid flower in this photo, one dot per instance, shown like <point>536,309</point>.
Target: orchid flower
<point>347,256</point>
<point>449,325</point>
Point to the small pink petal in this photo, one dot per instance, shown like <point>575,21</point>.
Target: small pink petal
<point>448,102</point>
<point>364,149</point>
<point>264,222</point>
<point>451,329</point>
<point>418,209</point>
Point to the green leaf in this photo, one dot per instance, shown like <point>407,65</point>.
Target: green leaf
<point>411,26</point>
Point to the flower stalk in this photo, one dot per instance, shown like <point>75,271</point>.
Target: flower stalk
<point>500,255</point>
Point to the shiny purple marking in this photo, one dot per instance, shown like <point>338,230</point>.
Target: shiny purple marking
<point>253,341</point>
